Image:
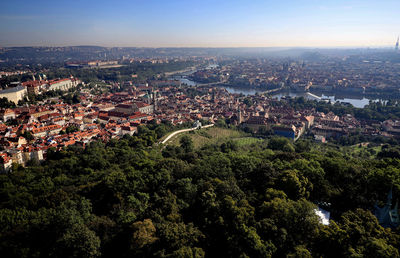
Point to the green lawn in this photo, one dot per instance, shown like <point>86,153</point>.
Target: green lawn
<point>246,141</point>
<point>215,135</point>
<point>364,151</point>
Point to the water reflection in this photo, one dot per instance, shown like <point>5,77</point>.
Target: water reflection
<point>356,101</point>
<point>243,91</point>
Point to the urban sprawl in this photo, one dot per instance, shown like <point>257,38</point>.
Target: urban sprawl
<point>28,131</point>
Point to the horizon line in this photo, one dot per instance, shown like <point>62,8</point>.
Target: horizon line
<point>204,47</point>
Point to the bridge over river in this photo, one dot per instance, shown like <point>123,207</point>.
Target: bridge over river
<point>313,95</point>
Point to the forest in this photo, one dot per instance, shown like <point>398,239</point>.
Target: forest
<point>135,198</point>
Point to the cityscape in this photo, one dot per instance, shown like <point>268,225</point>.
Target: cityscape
<point>171,135</point>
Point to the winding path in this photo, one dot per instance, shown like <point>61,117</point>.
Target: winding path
<point>182,131</point>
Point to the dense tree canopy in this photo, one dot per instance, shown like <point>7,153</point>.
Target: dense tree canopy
<point>132,197</point>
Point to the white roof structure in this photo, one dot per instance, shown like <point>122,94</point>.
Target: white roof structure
<point>323,215</point>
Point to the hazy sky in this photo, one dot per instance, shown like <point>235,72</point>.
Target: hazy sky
<point>199,23</point>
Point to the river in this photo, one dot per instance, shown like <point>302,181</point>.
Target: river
<point>356,101</point>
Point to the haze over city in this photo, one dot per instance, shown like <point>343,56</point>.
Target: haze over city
<point>205,23</point>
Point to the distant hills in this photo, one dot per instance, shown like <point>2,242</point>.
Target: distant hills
<point>26,55</point>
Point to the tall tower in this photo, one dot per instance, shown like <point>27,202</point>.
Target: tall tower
<point>239,116</point>
<point>155,100</point>
<point>397,45</point>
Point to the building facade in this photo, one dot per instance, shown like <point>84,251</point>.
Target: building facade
<point>14,94</point>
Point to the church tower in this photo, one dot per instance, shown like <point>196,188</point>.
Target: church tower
<point>239,116</point>
<point>155,100</point>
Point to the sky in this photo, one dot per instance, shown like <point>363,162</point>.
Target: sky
<point>200,23</point>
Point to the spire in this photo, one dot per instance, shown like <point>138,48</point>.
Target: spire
<point>155,100</point>
<point>239,115</point>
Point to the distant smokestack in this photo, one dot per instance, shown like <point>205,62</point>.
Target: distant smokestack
<point>397,44</point>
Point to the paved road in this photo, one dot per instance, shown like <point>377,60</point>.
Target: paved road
<point>182,131</point>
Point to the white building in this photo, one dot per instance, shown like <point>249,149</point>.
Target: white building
<point>14,94</point>
<point>63,84</point>
<point>7,114</point>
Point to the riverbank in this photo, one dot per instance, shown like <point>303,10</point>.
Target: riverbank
<point>358,100</point>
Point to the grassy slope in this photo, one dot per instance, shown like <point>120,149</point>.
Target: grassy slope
<point>363,151</point>
<point>215,135</point>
